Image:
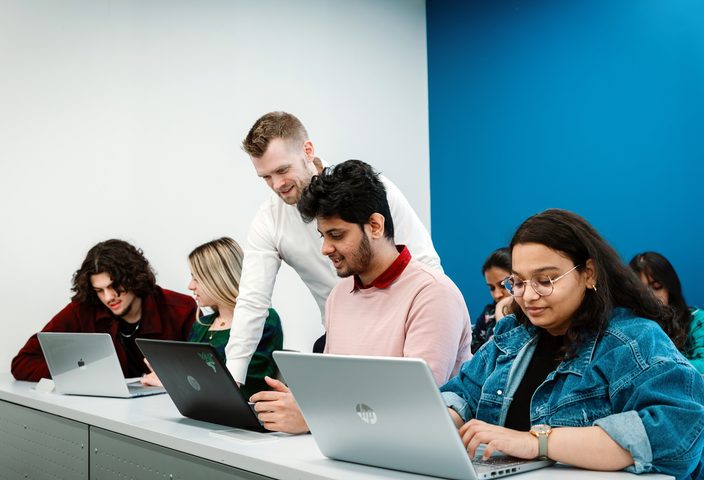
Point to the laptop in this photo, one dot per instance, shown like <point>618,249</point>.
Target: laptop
<point>199,384</point>
<point>385,412</point>
<point>87,364</point>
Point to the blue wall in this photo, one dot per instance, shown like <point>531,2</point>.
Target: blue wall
<point>596,106</point>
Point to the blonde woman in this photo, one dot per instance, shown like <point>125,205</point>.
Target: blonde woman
<point>215,278</point>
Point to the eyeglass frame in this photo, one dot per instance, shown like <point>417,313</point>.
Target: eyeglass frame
<point>553,281</point>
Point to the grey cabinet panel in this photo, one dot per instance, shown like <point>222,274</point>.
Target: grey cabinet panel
<point>114,456</point>
<point>40,446</point>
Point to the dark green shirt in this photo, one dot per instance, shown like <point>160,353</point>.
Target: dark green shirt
<point>262,363</point>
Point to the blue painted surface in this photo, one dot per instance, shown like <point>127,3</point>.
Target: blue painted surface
<point>596,106</point>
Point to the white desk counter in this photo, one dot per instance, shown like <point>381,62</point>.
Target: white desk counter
<point>156,420</point>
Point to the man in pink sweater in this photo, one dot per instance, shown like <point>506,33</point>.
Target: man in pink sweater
<point>388,304</point>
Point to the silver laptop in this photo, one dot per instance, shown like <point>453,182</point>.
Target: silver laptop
<point>385,412</point>
<point>87,364</point>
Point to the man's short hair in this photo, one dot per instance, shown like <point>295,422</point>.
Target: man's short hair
<point>124,263</point>
<point>352,191</point>
<point>270,126</point>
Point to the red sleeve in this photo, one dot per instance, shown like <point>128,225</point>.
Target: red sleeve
<point>29,363</point>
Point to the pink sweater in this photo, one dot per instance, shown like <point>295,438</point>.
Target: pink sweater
<point>421,314</point>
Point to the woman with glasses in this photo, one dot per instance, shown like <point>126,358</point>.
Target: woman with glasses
<point>687,326</point>
<point>582,373</point>
<point>495,270</point>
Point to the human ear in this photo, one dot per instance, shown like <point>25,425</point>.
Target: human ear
<point>309,150</point>
<point>590,274</point>
<point>376,224</point>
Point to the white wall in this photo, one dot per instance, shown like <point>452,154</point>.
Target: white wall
<point>124,118</point>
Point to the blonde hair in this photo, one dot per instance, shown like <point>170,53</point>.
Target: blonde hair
<point>217,266</point>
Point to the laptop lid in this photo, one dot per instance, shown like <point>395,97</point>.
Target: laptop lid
<point>87,364</point>
<point>380,411</point>
<point>198,383</point>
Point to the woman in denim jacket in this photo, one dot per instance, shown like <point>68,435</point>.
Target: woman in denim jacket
<point>584,352</point>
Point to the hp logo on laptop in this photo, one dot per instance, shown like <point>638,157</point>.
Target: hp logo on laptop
<point>194,383</point>
<point>366,413</point>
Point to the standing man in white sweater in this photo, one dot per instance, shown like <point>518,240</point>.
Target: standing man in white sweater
<point>284,157</point>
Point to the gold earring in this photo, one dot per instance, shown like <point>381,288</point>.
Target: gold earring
<point>594,287</point>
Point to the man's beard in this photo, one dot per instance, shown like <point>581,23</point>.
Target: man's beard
<point>360,260</point>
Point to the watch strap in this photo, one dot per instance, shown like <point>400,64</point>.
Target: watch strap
<point>543,445</point>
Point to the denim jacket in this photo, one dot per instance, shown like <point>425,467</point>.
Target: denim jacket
<point>632,382</point>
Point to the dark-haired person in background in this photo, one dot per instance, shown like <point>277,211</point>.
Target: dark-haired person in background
<point>582,372</point>
<point>115,292</point>
<point>687,327</point>
<point>495,270</point>
<point>387,304</point>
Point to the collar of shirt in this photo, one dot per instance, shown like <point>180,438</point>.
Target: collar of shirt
<point>390,274</point>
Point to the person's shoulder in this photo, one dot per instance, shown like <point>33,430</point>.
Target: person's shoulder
<point>385,180</point>
<point>393,193</point>
<point>697,315</point>
<point>434,278</point>
<point>642,337</point>
<point>75,309</point>
<point>506,324</point>
<point>75,305</point>
<point>433,284</point>
<point>166,297</point>
<point>625,324</point>
<point>273,211</point>
<point>343,287</point>
<point>268,207</point>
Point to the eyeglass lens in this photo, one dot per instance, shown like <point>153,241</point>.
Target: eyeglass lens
<point>540,283</point>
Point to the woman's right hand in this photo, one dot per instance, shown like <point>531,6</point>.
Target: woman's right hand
<point>503,308</point>
<point>150,379</point>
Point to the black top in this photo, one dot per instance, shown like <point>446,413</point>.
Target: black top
<point>546,358</point>
<point>135,360</point>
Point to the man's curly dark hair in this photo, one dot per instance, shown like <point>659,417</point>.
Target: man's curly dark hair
<point>352,191</point>
<point>124,263</point>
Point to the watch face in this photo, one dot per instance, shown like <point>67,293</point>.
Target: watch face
<point>541,429</point>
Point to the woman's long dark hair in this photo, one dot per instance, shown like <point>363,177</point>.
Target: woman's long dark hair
<point>617,285</point>
<point>657,268</point>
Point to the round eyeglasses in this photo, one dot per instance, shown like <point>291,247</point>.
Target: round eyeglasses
<point>543,285</point>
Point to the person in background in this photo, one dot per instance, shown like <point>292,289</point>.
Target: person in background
<point>582,372</point>
<point>495,270</point>
<point>216,267</point>
<point>284,157</point>
<point>687,327</point>
<point>115,292</point>
<point>388,304</point>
